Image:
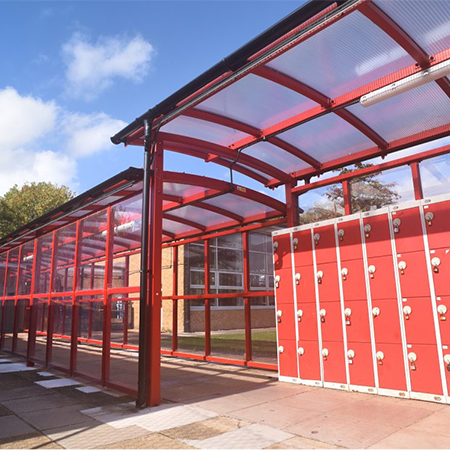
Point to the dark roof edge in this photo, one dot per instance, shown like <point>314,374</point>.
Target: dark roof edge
<point>233,62</point>
<point>130,174</point>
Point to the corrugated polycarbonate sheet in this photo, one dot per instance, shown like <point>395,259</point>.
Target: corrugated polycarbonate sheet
<point>200,216</point>
<point>181,190</point>
<point>426,22</point>
<point>327,137</point>
<point>256,101</point>
<point>176,227</point>
<point>414,111</point>
<point>204,130</point>
<point>348,54</point>
<point>239,205</point>
<point>275,156</point>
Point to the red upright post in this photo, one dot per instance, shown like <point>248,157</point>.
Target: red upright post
<point>417,181</point>
<point>74,328</point>
<point>292,211</point>
<point>175,302</point>
<point>347,194</point>
<point>14,342</point>
<point>50,320</point>
<point>126,303</point>
<point>91,286</point>
<point>33,313</point>
<point>247,300</point>
<point>2,324</point>
<point>207,303</point>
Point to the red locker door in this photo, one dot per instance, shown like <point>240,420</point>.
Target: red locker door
<point>377,235</point>
<point>386,322</point>
<point>284,288</point>
<point>309,360</point>
<point>333,362</point>
<point>382,277</point>
<point>357,321</point>
<point>408,230</point>
<point>302,244</point>
<point>440,263</point>
<point>305,284</point>
<point>331,321</point>
<point>413,274</point>
<point>391,367</point>
<point>423,361</point>
<point>307,322</point>
<point>349,239</point>
<point>353,280</point>
<point>328,282</point>
<point>443,310</point>
<point>437,219</point>
<point>360,364</point>
<point>287,358</point>
<point>325,244</point>
<point>286,321</point>
<point>282,251</point>
<point>419,321</point>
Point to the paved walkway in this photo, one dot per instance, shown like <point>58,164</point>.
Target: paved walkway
<point>207,406</point>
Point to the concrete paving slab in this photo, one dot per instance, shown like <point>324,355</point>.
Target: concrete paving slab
<point>437,423</point>
<point>152,441</point>
<point>22,392</point>
<point>88,389</point>
<point>14,367</point>
<point>57,417</point>
<point>407,438</point>
<point>298,442</point>
<point>35,440</point>
<point>253,436</point>
<point>46,374</point>
<point>57,383</point>
<point>228,403</point>
<point>43,403</point>
<point>4,411</point>
<point>13,427</point>
<point>5,360</point>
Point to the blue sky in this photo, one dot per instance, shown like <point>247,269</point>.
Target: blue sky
<point>74,73</point>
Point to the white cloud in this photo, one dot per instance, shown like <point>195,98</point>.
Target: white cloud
<point>28,124</point>
<point>92,68</point>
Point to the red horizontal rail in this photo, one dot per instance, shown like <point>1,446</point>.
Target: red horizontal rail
<point>230,295</point>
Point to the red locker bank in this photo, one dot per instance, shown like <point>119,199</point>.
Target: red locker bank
<point>363,301</point>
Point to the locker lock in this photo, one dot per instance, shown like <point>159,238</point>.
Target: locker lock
<point>429,216</point>
<point>436,262</point>
<point>277,280</point>
<point>396,222</point>
<point>351,355</point>
<point>341,233</point>
<point>322,314</point>
<point>344,273</point>
<point>295,242</point>
<point>297,278</point>
<point>316,238</point>
<point>380,357</point>
<point>325,354</point>
<point>402,267</point>
<point>376,312</point>
<point>279,314</point>
<point>348,313</point>
<point>412,360</point>
<point>301,351</point>
<point>447,361</point>
<point>372,270</point>
<point>442,310</point>
<point>275,246</point>
<point>407,311</point>
<point>299,315</point>
<point>367,230</point>
<point>319,276</point>
<point>280,349</point>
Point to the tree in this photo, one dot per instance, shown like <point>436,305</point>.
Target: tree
<point>22,205</point>
<point>368,192</point>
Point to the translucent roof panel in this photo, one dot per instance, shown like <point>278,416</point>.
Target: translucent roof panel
<point>247,101</point>
<point>420,109</point>
<point>204,130</point>
<point>344,56</point>
<point>176,227</point>
<point>327,138</point>
<point>181,190</point>
<point>200,216</point>
<point>275,156</point>
<point>427,22</point>
<point>241,205</point>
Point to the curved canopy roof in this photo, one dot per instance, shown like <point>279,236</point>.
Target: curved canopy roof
<point>292,110</point>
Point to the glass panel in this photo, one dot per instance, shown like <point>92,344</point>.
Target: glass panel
<point>435,175</point>
<point>191,327</point>
<point>264,336</point>
<point>327,138</point>
<point>321,204</point>
<point>11,282</point>
<point>26,269</point>
<point>127,224</point>
<point>334,62</point>
<point>64,259</point>
<point>3,259</point>
<point>23,324</point>
<point>8,324</point>
<point>386,188</point>
<point>62,331</point>
<point>246,100</point>
<point>200,216</point>
<point>41,314</point>
<point>228,334</point>
<point>43,264</point>
<point>243,207</point>
<point>427,22</point>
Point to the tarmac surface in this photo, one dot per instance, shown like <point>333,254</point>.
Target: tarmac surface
<point>207,406</point>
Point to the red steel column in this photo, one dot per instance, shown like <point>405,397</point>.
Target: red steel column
<point>14,342</point>
<point>154,282</point>
<point>247,300</point>
<point>347,195</point>
<point>207,303</point>
<point>106,300</point>
<point>126,303</point>
<point>91,286</point>
<point>417,181</point>
<point>33,313</point>
<point>292,211</point>
<point>74,329</point>
<point>50,320</point>
<point>175,302</point>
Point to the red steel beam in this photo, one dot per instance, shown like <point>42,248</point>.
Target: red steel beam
<point>347,195</point>
<point>247,300</point>
<point>207,301</point>
<point>417,182</point>
<point>174,302</point>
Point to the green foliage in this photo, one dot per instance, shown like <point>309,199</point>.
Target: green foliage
<point>22,205</point>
